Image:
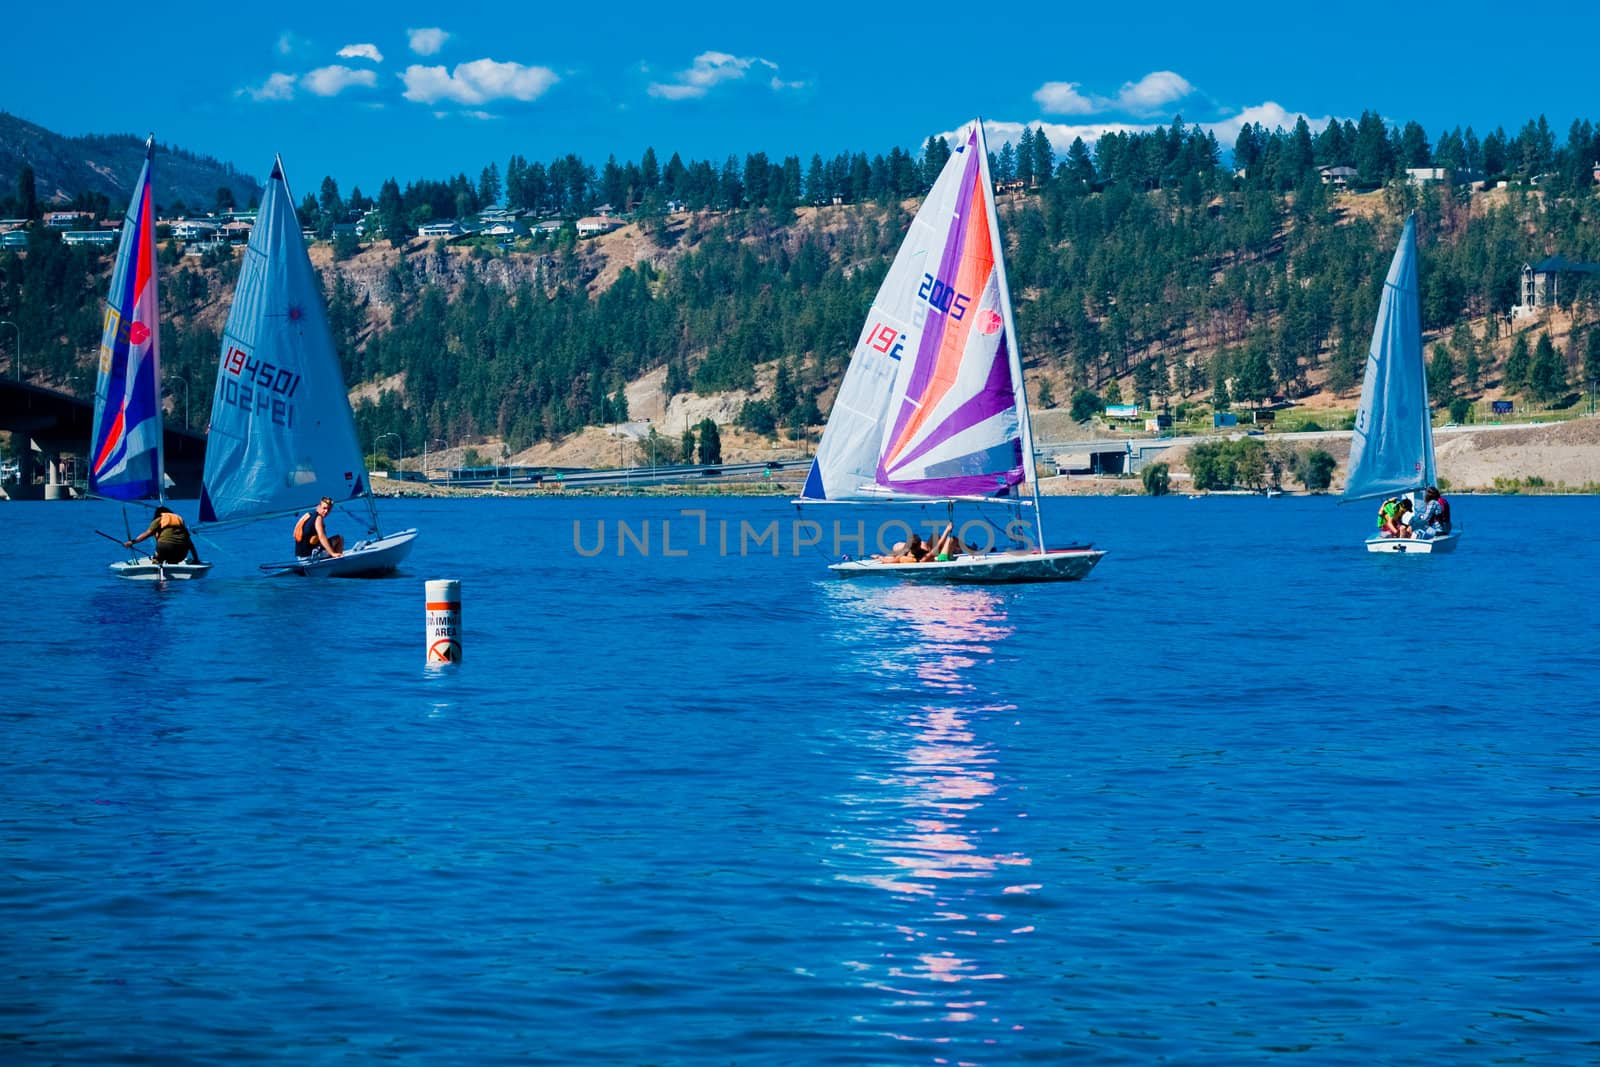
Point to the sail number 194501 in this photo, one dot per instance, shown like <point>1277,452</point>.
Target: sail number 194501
<point>249,384</point>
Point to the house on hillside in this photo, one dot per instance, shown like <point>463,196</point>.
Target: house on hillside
<point>1543,285</point>
<point>594,225</point>
<point>499,216</point>
<point>1445,175</point>
<point>1337,176</point>
<point>67,220</point>
<point>503,230</point>
<point>443,228</point>
<point>90,237</point>
<point>195,230</point>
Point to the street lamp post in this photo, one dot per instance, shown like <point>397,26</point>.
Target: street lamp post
<point>425,443</point>
<point>379,441</point>
<point>17,362</point>
<point>185,383</point>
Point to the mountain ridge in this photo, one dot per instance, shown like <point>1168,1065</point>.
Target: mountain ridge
<point>66,167</point>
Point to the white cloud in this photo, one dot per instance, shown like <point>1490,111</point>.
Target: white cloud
<point>362,51</point>
<point>427,42</point>
<point>477,82</point>
<point>331,81</point>
<point>1268,114</point>
<point>287,42</point>
<point>1063,98</point>
<point>711,69</point>
<point>276,87</point>
<point>1225,130</point>
<point>1149,94</point>
<point>1153,91</point>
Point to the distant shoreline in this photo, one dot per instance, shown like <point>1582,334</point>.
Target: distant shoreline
<point>1544,459</point>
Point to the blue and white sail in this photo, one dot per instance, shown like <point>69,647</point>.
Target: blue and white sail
<point>125,453</point>
<point>1391,451</point>
<point>281,433</point>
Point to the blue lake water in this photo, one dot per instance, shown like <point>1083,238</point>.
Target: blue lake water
<point>1247,793</point>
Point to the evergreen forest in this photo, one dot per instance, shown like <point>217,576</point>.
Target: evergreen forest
<point>1145,267</point>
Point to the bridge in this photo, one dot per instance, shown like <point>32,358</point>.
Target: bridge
<point>51,428</point>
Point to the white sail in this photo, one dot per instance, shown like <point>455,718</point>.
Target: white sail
<point>932,404</point>
<point>1391,451</point>
<point>281,433</point>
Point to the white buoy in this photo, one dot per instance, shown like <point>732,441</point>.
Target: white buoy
<point>443,597</point>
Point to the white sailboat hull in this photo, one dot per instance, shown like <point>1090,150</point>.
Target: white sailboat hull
<point>1054,565</point>
<point>1412,546</point>
<point>366,559</point>
<point>148,570</point>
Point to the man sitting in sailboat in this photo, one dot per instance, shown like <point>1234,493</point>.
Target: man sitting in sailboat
<point>311,536</point>
<point>173,543</point>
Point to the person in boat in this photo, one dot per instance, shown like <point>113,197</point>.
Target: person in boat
<point>910,551</point>
<point>173,543</point>
<point>1393,517</point>
<point>947,546</point>
<point>311,533</point>
<point>1434,518</point>
<point>1389,517</point>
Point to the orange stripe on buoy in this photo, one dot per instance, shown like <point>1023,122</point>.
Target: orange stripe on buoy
<point>444,605</point>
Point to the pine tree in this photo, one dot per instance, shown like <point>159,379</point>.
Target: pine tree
<point>1547,374</point>
<point>27,193</point>
<point>1441,376</point>
<point>1044,157</point>
<point>710,442</point>
<point>1516,376</point>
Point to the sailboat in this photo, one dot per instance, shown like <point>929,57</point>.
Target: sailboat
<point>1391,451</point>
<point>932,408</point>
<point>126,460</point>
<point>282,435</point>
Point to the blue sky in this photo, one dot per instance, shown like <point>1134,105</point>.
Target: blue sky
<point>366,91</point>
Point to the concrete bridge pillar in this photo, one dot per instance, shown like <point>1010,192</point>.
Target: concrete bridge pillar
<point>56,487</point>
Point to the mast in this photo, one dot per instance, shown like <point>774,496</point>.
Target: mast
<point>148,236</point>
<point>1013,342</point>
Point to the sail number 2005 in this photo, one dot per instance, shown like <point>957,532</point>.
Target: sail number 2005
<point>944,297</point>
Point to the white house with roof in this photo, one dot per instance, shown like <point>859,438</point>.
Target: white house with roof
<point>195,230</point>
<point>1340,176</point>
<point>595,225</point>
<point>499,216</point>
<point>441,228</point>
<point>67,220</point>
<point>90,237</point>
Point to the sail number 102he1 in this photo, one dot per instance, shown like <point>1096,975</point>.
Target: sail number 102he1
<point>258,387</point>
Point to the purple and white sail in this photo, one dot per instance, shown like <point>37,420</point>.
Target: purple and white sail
<point>932,406</point>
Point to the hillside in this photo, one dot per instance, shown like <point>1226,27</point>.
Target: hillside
<point>1200,295</point>
<point>67,167</point>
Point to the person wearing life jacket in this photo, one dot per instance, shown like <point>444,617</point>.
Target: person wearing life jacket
<point>173,543</point>
<point>1434,518</point>
<point>311,535</point>
<point>1392,517</point>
